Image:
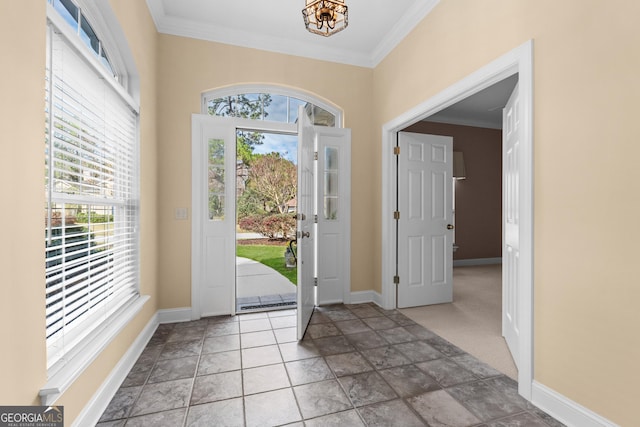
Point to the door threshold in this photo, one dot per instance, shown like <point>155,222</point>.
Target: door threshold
<point>252,308</point>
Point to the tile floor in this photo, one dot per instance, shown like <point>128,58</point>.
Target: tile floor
<point>358,365</point>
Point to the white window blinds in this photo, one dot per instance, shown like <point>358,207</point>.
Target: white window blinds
<point>91,208</point>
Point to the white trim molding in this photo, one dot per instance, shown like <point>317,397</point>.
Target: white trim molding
<point>175,315</point>
<point>566,410</point>
<point>84,356</point>
<point>362,297</point>
<point>94,409</point>
<point>520,61</point>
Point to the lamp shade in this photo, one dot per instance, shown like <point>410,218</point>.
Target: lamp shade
<point>459,171</point>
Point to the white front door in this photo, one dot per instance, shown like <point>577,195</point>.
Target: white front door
<point>511,158</point>
<point>213,270</point>
<point>306,233</point>
<point>324,213</point>
<point>324,217</point>
<point>425,244</point>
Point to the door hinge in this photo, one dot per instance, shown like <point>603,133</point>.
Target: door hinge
<point>315,281</point>
<point>396,279</point>
<point>396,215</point>
<point>396,150</point>
<point>315,155</point>
<point>315,219</point>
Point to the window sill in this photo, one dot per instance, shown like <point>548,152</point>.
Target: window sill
<point>75,366</point>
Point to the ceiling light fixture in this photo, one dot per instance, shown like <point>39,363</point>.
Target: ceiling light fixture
<point>325,17</point>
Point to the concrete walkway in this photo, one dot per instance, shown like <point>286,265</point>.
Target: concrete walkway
<point>259,285</point>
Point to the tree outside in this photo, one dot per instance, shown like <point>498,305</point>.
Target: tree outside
<point>244,107</point>
<point>271,186</point>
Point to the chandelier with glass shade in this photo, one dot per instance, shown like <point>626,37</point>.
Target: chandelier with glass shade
<point>325,17</point>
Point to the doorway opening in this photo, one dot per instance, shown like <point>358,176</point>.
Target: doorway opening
<point>323,151</point>
<point>518,61</point>
<point>266,205</point>
<point>473,319</point>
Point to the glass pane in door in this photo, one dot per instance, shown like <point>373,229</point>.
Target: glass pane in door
<point>216,183</point>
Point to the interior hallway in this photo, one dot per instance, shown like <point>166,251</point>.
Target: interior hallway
<point>358,365</point>
<point>473,321</point>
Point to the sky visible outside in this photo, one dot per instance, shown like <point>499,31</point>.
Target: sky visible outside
<point>286,145</point>
<point>282,109</point>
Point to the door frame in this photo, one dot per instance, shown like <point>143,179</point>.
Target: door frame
<point>197,206</point>
<point>520,61</point>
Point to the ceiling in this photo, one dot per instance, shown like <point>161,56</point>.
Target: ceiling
<point>482,109</point>
<point>375,26</point>
<point>374,30</point>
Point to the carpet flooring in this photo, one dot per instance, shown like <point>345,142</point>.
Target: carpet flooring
<point>473,321</point>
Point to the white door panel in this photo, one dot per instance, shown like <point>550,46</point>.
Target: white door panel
<point>511,239</point>
<point>213,216</point>
<point>306,231</point>
<point>324,192</point>
<point>334,214</point>
<point>425,246</point>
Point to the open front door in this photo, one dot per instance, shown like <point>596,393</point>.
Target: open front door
<point>324,217</point>
<point>425,244</point>
<point>305,220</point>
<point>511,158</point>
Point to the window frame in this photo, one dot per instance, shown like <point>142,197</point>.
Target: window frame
<point>272,90</point>
<point>123,82</point>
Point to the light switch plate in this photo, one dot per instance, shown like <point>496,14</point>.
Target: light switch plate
<point>181,213</point>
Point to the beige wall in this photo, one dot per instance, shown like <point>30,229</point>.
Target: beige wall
<point>479,197</point>
<point>586,92</point>
<point>190,67</point>
<point>22,329</point>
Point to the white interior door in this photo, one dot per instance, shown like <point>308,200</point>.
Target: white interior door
<point>425,244</point>
<point>334,215</point>
<point>305,222</point>
<point>511,158</point>
<point>213,216</point>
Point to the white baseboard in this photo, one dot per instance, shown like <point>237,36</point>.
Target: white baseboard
<point>564,409</point>
<point>362,297</point>
<point>476,261</point>
<point>174,315</point>
<point>94,409</point>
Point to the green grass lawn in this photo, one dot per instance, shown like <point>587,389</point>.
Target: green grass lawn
<point>271,256</point>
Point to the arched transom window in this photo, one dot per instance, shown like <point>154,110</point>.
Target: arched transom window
<point>271,103</point>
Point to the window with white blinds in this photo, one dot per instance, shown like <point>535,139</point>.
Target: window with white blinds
<point>91,192</point>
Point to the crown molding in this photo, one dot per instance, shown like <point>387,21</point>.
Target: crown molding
<point>198,30</point>
<point>185,28</point>
<point>401,29</point>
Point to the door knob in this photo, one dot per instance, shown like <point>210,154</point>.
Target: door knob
<point>450,227</point>
<point>303,234</point>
